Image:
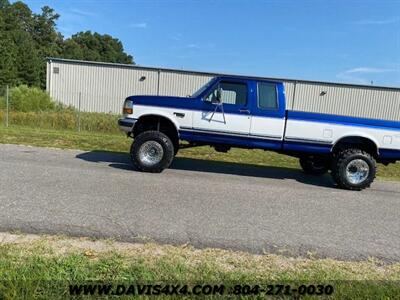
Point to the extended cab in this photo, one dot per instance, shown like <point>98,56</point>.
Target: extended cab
<point>234,111</point>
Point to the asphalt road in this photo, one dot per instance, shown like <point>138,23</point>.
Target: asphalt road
<point>205,204</point>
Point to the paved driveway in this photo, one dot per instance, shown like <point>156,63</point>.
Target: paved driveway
<point>206,204</point>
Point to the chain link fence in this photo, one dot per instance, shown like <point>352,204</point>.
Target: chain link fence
<point>33,108</point>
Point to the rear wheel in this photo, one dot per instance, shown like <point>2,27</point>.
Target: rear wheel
<point>152,151</point>
<point>353,169</point>
<point>314,165</point>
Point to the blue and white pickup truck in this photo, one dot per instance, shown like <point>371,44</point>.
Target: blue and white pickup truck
<point>246,112</point>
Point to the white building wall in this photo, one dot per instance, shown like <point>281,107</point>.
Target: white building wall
<point>354,101</point>
<point>181,84</point>
<point>101,88</point>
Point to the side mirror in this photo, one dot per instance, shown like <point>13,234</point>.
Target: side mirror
<point>218,98</point>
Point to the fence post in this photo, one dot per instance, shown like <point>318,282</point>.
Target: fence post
<point>7,104</point>
<point>79,112</point>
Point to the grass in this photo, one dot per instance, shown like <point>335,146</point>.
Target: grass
<point>85,140</point>
<point>41,267</point>
<point>64,139</point>
<point>64,119</point>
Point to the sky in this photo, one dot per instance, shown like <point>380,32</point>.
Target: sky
<point>353,41</point>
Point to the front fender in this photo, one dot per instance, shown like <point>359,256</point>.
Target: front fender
<point>139,113</point>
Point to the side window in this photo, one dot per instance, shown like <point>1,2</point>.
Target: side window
<point>267,96</point>
<point>231,93</point>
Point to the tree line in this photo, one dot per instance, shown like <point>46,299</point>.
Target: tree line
<point>27,38</point>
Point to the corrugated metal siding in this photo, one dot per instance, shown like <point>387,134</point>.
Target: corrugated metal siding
<point>178,84</point>
<point>103,87</point>
<point>374,103</point>
<point>228,97</point>
<point>289,90</point>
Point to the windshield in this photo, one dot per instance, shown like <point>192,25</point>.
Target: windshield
<point>203,88</point>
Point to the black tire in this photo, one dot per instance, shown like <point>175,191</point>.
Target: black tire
<point>341,168</point>
<point>176,149</point>
<point>156,142</point>
<point>314,165</point>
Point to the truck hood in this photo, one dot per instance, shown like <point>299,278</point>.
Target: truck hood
<point>164,101</point>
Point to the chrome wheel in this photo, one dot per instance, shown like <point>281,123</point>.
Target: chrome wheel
<point>357,171</point>
<point>151,153</point>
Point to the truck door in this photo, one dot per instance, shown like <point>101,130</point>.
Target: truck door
<point>268,114</point>
<point>229,122</point>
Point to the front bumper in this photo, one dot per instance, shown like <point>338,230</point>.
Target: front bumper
<point>126,124</point>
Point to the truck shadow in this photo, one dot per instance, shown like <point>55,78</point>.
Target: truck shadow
<point>122,161</point>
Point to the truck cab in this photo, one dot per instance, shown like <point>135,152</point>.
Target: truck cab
<point>239,112</point>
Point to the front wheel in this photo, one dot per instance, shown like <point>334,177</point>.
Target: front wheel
<point>314,165</point>
<point>353,169</point>
<point>152,151</point>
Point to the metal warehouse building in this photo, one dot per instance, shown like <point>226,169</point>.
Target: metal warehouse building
<point>102,87</point>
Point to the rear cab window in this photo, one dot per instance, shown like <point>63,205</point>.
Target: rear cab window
<point>267,96</point>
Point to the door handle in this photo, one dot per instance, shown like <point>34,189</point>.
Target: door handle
<point>244,111</point>
<point>179,115</point>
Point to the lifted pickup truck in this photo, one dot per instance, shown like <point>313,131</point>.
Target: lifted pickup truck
<point>246,112</point>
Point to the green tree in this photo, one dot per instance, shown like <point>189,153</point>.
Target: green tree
<point>96,47</point>
<point>29,63</point>
<point>8,49</point>
<point>21,63</point>
<point>48,41</point>
<point>26,39</point>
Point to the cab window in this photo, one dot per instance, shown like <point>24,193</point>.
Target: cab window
<point>231,93</point>
<point>267,95</point>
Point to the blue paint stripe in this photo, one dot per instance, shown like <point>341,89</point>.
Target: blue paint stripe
<point>242,141</point>
<point>389,154</point>
<point>307,147</point>
<point>213,138</point>
<point>343,120</point>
